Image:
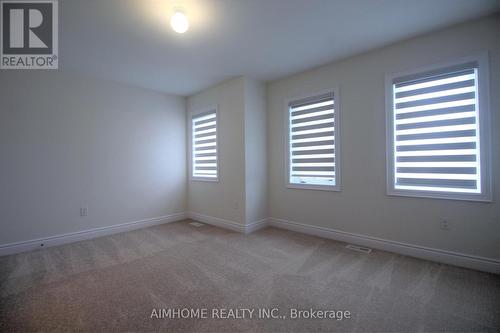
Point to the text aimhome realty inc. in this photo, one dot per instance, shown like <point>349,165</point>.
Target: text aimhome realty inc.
<point>248,313</point>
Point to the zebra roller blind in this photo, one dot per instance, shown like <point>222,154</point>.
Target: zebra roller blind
<point>204,151</point>
<point>436,131</point>
<point>312,141</point>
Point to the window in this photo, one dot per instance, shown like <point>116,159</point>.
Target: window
<point>313,143</point>
<point>204,146</point>
<point>437,138</point>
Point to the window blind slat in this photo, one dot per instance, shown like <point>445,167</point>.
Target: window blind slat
<point>206,129</point>
<point>442,158</point>
<point>323,116</point>
<point>313,152</point>
<point>202,149</point>
<point>314,135</point>
<point>315,173</point>
<point>315,143</point>
<point>211,133</point>
<point>198,142</point>
<point>310,112</point>
<point>423,136</point>
<point>436,100</point>
<point>432,89</point>
<point>205,155</point>
<point>441,146</point>
<point>456,183</point>
<point>202,122</point>
<point>328,125</point>
<point>206,168</point>
<point>313,168</point>
<point>313,160</point>
<point>437,170</point>
<point>436,123</point>
<point>311,179</point>
<point>436,112</point>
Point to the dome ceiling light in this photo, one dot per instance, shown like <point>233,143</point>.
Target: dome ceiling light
<point>179,22</point>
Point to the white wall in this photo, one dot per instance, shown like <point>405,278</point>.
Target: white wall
<point>224,199</point>
<point>362,206</point>
<point>68,141</point>
<point>255,151</point>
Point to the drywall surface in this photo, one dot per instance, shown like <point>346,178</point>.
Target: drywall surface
<point>255,151</point>
<point>362,206</point>
<point>224,199</point>
<point>68,141</point>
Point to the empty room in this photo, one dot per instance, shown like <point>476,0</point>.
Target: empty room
<point>250,166</point>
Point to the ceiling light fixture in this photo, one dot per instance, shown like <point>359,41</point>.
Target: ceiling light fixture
<point>179,22</point>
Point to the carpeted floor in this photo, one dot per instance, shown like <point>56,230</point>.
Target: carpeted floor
<point>114,283</point>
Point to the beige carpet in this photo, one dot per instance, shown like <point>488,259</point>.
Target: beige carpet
<point>114,283</point>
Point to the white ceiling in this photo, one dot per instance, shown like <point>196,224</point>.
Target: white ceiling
<point>131,41</point>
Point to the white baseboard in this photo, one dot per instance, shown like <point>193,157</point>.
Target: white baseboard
<point>254,226</point>
<point>443,256</point>
<point>218,222</point>
<point>227,224</point>
<point>18,247</point>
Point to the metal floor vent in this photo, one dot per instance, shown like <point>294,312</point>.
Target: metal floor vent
<point>358,248</point>
<point>196,224</point>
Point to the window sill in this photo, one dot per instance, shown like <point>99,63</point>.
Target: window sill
<point>207,180</point>
<point>440,195</point>
<point>314,187</point>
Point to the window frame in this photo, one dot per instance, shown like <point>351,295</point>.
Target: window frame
<point>484,135</point>
<point>336,116</point>
<point>191,144</point>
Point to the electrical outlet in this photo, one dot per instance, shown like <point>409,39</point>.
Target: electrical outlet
<point>84,211</point>
<point>445,226</point>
